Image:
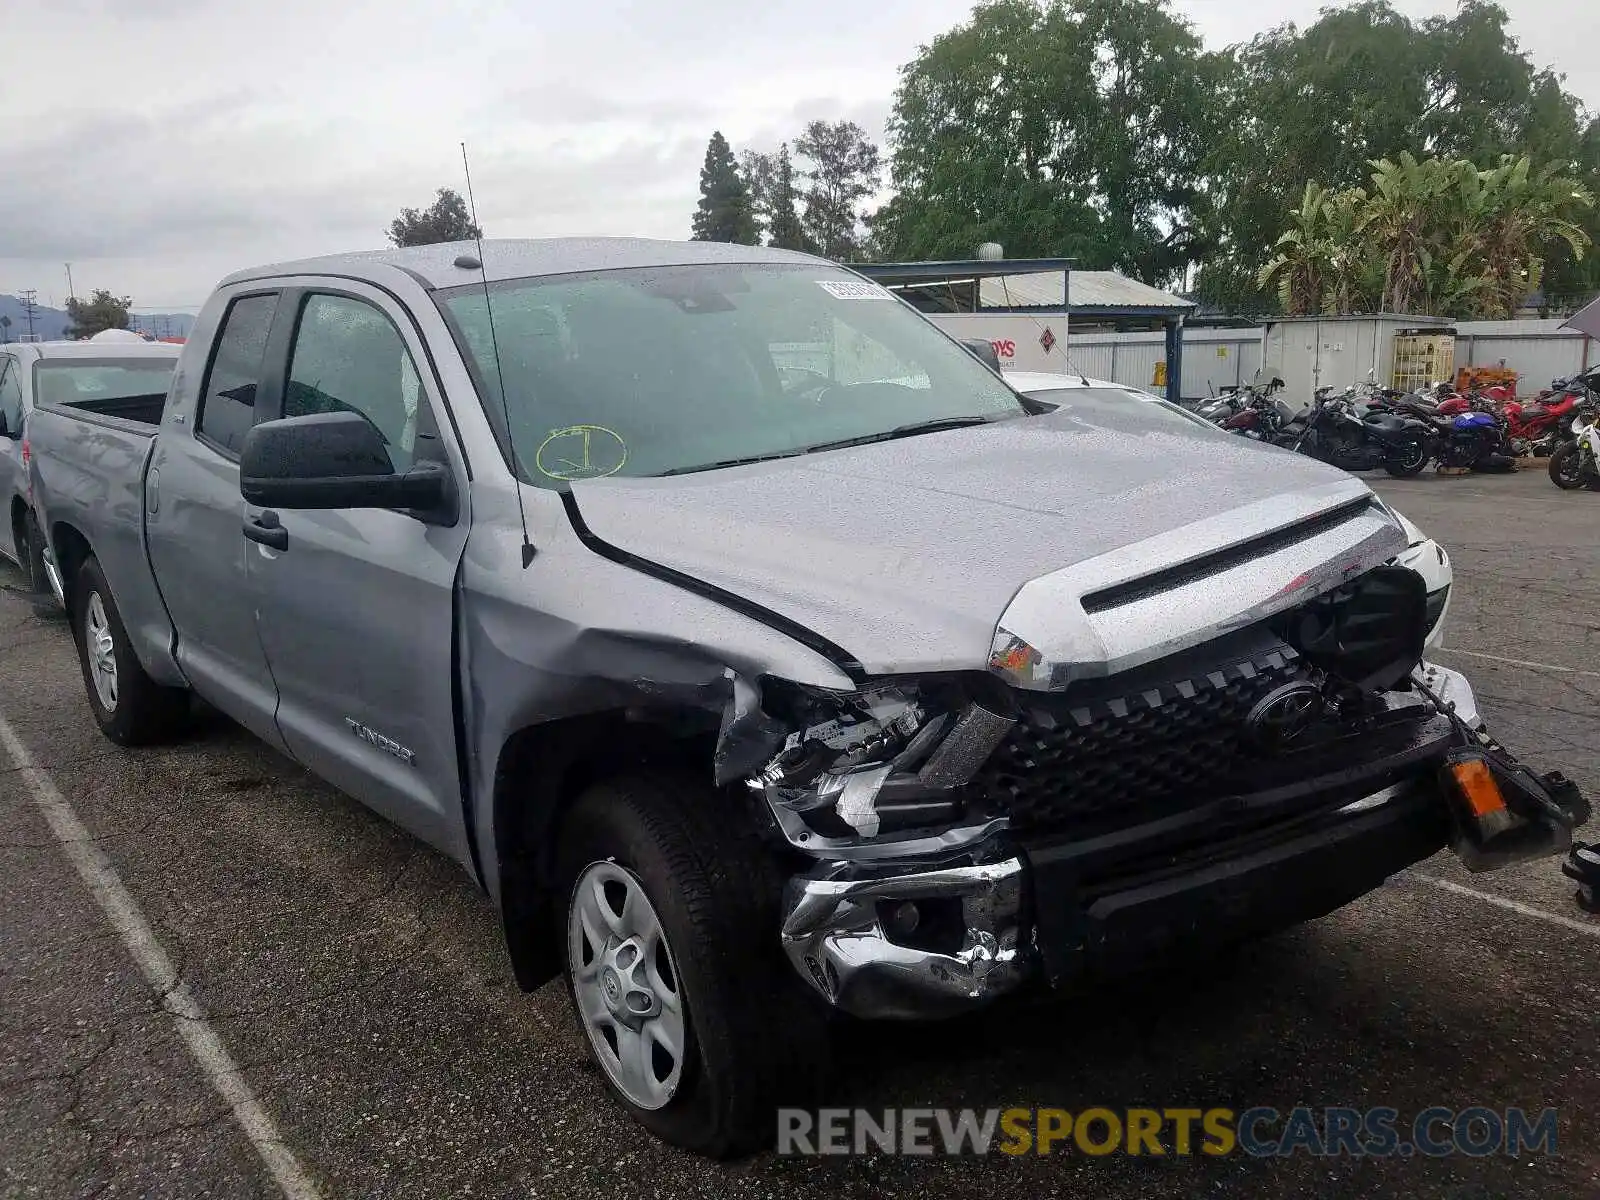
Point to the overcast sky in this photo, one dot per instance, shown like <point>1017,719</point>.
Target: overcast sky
<point>159,144</point>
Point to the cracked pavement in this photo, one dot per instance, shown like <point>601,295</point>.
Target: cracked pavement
<point>357,977</point>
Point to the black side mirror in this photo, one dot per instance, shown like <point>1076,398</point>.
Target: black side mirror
<point>983,350</point>
<point>5,427</point>
<point>332,460</point>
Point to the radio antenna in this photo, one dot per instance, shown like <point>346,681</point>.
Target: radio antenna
<point>494,347</point>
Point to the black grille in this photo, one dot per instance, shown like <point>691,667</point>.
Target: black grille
<point>1116,756</point>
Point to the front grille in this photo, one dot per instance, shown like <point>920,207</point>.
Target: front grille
<point>1126,751</point>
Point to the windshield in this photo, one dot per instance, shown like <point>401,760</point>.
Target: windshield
<point>665,370</point>
<point>88,381</point>
<point>1118,402</point>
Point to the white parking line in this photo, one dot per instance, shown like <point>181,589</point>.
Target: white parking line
<point>1588,928</point>
<point>1518,662</point>
<point>100,877</point>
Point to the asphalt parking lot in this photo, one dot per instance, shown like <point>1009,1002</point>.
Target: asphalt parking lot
<point>357,981</point>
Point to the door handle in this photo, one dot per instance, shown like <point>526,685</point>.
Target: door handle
<point>268,530</point>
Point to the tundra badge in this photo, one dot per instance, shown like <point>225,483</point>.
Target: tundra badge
<point>386,744</point>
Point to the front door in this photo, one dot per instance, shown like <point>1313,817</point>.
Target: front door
<point>193,515</point>
<point>357,609</point>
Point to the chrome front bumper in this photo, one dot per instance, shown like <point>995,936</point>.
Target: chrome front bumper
<point>841,932</point>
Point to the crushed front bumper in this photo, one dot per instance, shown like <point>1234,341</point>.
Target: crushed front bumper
<point>927,938</point>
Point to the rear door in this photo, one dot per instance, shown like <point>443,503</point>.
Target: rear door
<point>357,610</point>
<point>194,515</point>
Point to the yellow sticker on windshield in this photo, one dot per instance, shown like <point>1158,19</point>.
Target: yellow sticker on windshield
<point>581,452</point>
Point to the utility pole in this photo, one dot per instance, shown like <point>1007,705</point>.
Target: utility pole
<point>71,295</point>
<point>29,298</point>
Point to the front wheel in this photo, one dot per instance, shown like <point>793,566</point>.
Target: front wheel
<point>1566,467</point>
<point>699,1025</point>
<point>1408,460</point>
<point>131,708</point>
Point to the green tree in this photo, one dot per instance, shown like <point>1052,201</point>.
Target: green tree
<point>1365,83</point>
<point>100,312</point>
<point>724,213</point>
<point>1436,236</point>
<point>445,220</point>
<point>1073,127</point>
<point>774,197</point>
<point>840,168</point>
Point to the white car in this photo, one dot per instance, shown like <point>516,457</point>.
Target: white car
<point>1424,555</point>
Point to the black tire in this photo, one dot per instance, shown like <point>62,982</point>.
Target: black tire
<point>143,712</point>
<point>1415,457</point>
<point>756,1038</point>
<point>1566,467</point>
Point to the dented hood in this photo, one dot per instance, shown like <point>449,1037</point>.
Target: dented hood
<point>908,553</point>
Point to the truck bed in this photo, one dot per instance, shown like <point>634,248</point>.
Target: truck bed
<point>87,470</point>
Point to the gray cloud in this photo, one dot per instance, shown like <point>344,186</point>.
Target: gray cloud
<point>158,146</point>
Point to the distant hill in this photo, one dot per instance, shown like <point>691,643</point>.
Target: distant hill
<point>51,323</point>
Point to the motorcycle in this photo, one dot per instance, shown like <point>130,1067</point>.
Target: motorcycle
<point>1535,428</point>
<point>1243,410</point>
<point>1459,437</point>
<point>1576,464</point>
<point>1335,433</point>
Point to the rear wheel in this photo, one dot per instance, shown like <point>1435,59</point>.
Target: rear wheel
<point>131,708</point>
<point>1408,460</point>
<point>1566,467</point>
<point>699,1025</point>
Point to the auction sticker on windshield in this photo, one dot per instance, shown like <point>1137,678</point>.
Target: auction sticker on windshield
<point>850,289</point>
<point>581,452</point>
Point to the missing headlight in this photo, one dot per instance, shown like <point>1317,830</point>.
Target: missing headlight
<point>1368,633</point>
<point>880,761</point>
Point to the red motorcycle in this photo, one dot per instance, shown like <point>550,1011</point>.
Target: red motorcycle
<point>1536,427</point>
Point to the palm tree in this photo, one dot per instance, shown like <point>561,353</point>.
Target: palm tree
<point>1525,211</point>
<point>1397,216</point>
<point>1303,263</point>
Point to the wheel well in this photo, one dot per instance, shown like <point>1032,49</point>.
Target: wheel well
<point>542,769</point>
<point>72,551</point>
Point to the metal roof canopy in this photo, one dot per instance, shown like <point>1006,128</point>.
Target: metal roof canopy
<point>1170,312</point>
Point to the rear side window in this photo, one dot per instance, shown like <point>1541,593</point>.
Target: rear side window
<point>11,396</point>
<point>227,406</point>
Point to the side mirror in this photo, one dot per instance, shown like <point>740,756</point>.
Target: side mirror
<point>5,427</point>
<point>332,460</point>
<point>983,350</point>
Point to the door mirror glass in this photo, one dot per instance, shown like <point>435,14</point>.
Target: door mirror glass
<point>332,460</point>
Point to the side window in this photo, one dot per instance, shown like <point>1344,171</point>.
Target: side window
<point>228,404</point>
<point>349,357</point>
<point>11,396</point>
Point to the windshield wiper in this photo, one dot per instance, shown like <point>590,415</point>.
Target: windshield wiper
<point>900,431</point>
<point>730,462</point>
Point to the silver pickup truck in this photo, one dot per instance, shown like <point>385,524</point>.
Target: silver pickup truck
<point>757,649</point>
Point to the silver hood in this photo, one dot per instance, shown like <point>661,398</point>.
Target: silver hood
<point>910,553</point>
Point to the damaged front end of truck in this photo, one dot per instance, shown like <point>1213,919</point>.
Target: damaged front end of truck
<point>1153,762</point>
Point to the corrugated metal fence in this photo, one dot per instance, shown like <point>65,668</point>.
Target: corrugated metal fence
<point>1538,351</point>
<point>1212,358</point>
